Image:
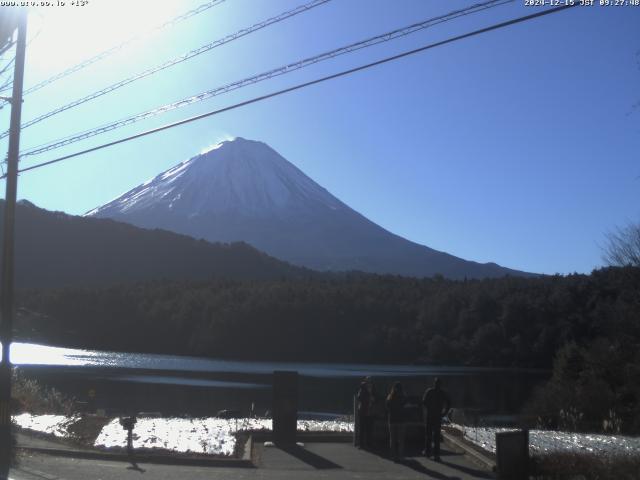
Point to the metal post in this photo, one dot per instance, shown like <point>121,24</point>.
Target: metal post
<point>285,406</point>
<point>6,297</point>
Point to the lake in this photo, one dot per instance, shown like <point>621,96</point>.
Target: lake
<point>172,384</point>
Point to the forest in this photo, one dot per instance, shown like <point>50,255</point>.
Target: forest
<point>511,321</point>
<point>584,327</point>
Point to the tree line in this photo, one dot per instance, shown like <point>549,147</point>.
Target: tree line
<point>588,324</point>
<point>352,317</point>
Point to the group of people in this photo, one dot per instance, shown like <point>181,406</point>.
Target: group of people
<point>435,404</point>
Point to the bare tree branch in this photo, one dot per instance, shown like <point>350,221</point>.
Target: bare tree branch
<point>623,246</point>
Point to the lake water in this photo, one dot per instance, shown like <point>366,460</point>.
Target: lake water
<point>195,385</point>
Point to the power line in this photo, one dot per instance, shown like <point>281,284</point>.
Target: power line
<point>8,65</point>
<point>385,37</point>
<point>9,81</point>
<point>120,46</point>
<point>6,47</point>
<point>182,58</point>
<point>303,85</point>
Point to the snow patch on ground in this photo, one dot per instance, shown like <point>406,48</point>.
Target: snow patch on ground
<point>57,425</point>
<point>215,436</point>
<point>550,441</point>
<point>211,436</point>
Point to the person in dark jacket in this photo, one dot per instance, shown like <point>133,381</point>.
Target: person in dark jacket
<point>436,403</point>
<point>364,411</point>
<point>395,412</point>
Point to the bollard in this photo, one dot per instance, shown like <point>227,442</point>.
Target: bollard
<point>285,406</point>
<point>128,423</point>
<point>512,455</point>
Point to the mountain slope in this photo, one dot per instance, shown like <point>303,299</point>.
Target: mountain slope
<point>243,190</point>
<point>54,249</point>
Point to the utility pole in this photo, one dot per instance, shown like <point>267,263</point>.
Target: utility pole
<point>6,293</point>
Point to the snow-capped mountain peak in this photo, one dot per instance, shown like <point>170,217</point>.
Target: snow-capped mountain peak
<point>242,175</point>
<point>243,190</point>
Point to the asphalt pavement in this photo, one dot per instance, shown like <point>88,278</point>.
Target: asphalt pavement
<point>327,461</point>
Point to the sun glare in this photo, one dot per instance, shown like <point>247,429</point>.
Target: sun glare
<point>66,33</point>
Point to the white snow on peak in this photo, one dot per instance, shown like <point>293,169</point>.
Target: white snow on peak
<point>217,145</point>
<point>237,175</point>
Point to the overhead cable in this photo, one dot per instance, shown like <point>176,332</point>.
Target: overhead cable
<point>9,81</point>
<point>174,61</point>
<point>120,46</point>
<point>8,65</point>
<point>300,86</point>
<point>385,37</point>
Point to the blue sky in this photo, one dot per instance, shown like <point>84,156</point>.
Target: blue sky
<point>519,146</point>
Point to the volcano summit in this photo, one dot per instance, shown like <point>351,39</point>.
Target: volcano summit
<point>243,190</point>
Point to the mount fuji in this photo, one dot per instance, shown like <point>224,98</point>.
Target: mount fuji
<point>243,190</point>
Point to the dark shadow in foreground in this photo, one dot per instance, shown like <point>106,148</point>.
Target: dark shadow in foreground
<point>413,464</point>
<point>136,467</point>
<point>416,461</point>
<point>316,461</point>
<point>477,472</point>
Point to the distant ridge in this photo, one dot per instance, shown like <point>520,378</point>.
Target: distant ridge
<point>54,249</point>
<point>243,190</point>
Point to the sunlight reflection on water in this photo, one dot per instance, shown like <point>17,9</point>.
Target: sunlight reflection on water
<point>33,354</point>
<point>192,382</point>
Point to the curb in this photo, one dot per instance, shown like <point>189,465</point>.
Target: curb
<point>477,456</point>
<point>309,437</point>
<point>244,462</point>
<point>247,454</point>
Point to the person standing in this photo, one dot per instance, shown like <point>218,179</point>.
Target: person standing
<point>370,418</point>
<point>395,411</point>
<point>436,403</point>
<point>364,405</point>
